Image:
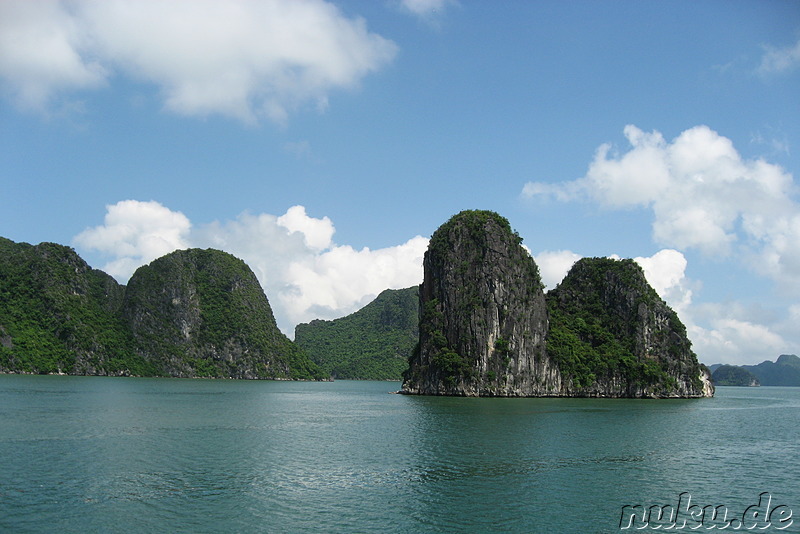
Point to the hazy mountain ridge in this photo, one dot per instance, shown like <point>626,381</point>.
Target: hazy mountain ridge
<point>785,371</point>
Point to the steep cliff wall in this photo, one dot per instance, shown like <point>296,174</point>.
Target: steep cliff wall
<point>203,313</point>
<point>483,314</point>
<point>612,335</point>
<point>487,329</point>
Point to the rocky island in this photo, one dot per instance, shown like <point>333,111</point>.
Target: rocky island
<point>487,328</point>
<point>191,313</point>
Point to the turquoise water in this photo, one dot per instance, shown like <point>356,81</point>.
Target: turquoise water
<point>94,454</point>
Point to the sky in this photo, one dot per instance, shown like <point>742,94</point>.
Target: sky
<point>323,142</point>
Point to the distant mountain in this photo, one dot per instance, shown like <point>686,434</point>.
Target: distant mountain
<point>731,375</point>
<point>373,343</point>
<point>191,313</point>
<point>788,359</point>
<point>785,371</point>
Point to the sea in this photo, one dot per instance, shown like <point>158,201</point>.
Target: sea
<point>101,454</point>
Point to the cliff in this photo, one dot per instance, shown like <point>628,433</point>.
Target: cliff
<point>373,343</point>
<point>191,313</point>
<point>203,313</point>
<point>483,314</point>
<point>487,329</point>
<point>611,335</point>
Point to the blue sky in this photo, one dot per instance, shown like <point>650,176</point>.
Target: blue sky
<point>323,142</point>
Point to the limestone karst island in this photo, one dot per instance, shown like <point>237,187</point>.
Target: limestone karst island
<point>487,328</point>
<point>480,323</point>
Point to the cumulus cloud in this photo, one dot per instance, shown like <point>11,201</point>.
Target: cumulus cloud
<point>735,335</point>
<point>239,58</point>
<point>554,265</point>
<point>342,279</point>
<point>666,272</point>
<point>703,195</point>
<point>303,272</point>
<point>317,233</point>
<point>40,52</point>
<point>134,233</point>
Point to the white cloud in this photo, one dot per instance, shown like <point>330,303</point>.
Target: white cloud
<point>702,194</point>
<point>238,58</point>
<point>777,60</point>
<point>135,233</point>
<point>40,52</point>
<point>735,335</point>
<point>666,272</point>
<point>303,272</point>
<point>554,265</point>
<point>342,280</point>
<point>317,233</point>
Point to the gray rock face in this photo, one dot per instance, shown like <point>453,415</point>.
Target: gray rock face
<point>203,313</point>
<point>483,315</point>
<point>487,329</point>
<point>613,336</point>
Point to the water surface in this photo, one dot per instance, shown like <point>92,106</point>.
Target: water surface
<point>95,454</point>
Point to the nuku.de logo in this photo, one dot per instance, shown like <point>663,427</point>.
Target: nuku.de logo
<point>686,515</point>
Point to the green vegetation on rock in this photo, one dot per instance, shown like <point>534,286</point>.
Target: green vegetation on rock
<point>373,343</point>
<point>57,315</point>
<point>608,324</point>
<point>731,375</point>
<point>488,330</point>
<point>190,313</point>
<point>203,313</point>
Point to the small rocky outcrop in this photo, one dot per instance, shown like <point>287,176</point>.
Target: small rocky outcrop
<point>483,314</point>
<point>203,313</point>
<point>611,335</point>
